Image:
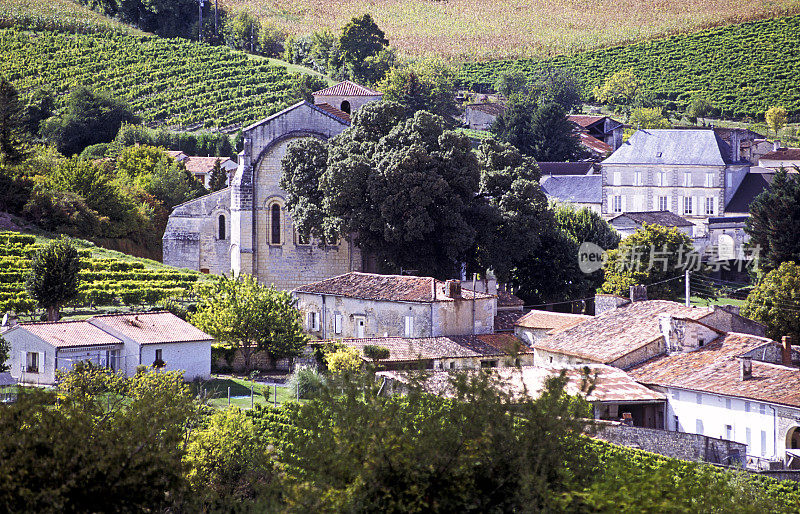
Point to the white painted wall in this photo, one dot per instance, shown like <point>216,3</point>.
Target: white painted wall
<point>193,358</point>
<point>23,342</point>
<point>751,422</point>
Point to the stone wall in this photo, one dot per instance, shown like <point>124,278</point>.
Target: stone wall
<point>679,445</point>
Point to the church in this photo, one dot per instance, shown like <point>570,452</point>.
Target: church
<point>245,228</point>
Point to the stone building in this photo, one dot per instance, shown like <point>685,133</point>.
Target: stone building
<point>245,228</point>
<point>364,305</point>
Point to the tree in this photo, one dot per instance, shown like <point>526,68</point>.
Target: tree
<point>774,222</point>
<point>427,85</point>
<point>53,279</point>
<point>558,85</point>
<point>303,84</point>
<point>699,108</point>
<point>358,52</point>
<point>250,317</point>
<point>648,118</point>
<point>242,32</point>
<point>621,87</point>
<point>775,302</point>
<point>5,353</point>
<point>514,125</point>
<point>88,118</point>
<point>219,178</point>
<point>554,135</point>
<point>99,442</point>
<point>775,118</point>
<point>650,256</point>
<point>511,81</point>
<point>375,352</point>
<point>12,123</point>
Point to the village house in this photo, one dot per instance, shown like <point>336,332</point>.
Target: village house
<point>576,190</point>
<point>737,387</point>
<point>692,173</point>
<point>446,353</point>
<point>246,228</point>
<point>481,116</point>
<point>780,158</point>
<point>120,342</point>
<point>201,168</point>
<point>600,128</point>
<point>625,332</point>
<point>538,324</point>
<point>629,222</point>
<point>568,168</point>
<point>365,305</point>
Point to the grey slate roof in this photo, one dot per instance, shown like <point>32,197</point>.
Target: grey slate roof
<point>663,218</point>
<point>565,168</point>
<point>753,184</point>
<point>574,188</point>
<point>673,146</point>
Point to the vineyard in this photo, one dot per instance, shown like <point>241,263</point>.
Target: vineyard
<point>741,69</point>
<point>63,15</point>
<point>171,82</point>
<point>104,281</point>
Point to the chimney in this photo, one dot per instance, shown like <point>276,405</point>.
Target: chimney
<point>638,293</point>
<point>747,367</point>
<point>776,145</point>
<point>433,289</point>
<point>452,288</point>
<point>786,353</point>
<point>736,145</point>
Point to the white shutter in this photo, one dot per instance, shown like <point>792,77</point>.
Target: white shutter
<point>337,323</point>
<point>23,361</point>
<point>409,326</point>
<point>624,203</point>
<point>681,205</point>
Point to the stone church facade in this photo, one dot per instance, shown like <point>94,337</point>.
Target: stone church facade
<point>246,228</point>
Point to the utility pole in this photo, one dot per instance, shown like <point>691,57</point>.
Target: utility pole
<point>688,289</point>
<point>200,29</point>
<point>216,21</point>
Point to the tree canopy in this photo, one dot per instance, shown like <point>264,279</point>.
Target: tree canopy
<point>774,222</point>
<point>12,123</point>
<point>775,118</point>
<point>428,85</point>
<point>250,317</point>
<point>775,302</point>
<point>622,87</point>
<point>53,279</point>
<point>362,52</point>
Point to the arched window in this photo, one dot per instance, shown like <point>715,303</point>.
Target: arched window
<point>275,224</point>
<point>346,106</point>
<point>221,231</point>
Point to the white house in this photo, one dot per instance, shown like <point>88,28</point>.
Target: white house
<point>359,305</point>
<point>118,341</point>
<point>738,387</point>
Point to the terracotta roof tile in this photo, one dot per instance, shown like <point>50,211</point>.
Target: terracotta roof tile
<point>491,108</point>
<point>505,320</point>
<point>197,165</point>
<point>346,88</point>
<point>784,154</point>
<point>611,384</point>
<point>549,320</point>
<point>507,299</point>
<point>594,144</point>
<point>150,327</point>
<point>397,288</point>
<point>585,120</point>
<point>333,111</point>
<point>65,334</point>
<point>715,368</point>
<point>616,333</point>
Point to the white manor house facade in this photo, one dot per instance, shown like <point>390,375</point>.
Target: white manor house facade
<point>245,228</point>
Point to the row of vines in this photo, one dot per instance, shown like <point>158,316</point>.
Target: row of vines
<point>172,82</point>
<point>104,282</point>
<point>741,69</point>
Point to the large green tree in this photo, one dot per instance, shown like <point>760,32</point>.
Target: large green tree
<point>427,85</point>
<point>653,256</point>
<point>12,123</point>
<point>88,118</point>
<point>250,317</point>
<point>362,52</point>
<point>53,279</point>
<point>774,222</point>
<point>775,302</point>
<point>541,130</point>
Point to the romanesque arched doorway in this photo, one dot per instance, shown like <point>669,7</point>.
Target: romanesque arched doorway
<point>793,447</point>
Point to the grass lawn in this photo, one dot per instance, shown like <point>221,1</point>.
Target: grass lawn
<point>702,302</point>
<point>217,389</point>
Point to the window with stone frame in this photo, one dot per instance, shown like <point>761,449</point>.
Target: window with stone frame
<point>616,203</point>
<point>222,231</point>
<point>710,205</point>
<point>663,203</point>
<point>275,224</point>
<point>687,205</point>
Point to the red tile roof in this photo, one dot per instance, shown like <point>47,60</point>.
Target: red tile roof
<point>65,334</point>
<point>151,327</point>
<point>491,108</point>
<point>784,154</point>
<point>346,88</point>
<point>548,320</point>
<point>333,111</point>
<point>585,120</point>
<point>202,165</point>
<point>715,368</point>
<point>176,154</point>
<point>397,288</point>
<point>594,144</point>
<point>616,333</point>
<point>611,384</point>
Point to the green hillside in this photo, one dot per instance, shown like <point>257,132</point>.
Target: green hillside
<point>742,69</point>
<point>108,278</point>
<point>63,15</point>
<point>172,82</point>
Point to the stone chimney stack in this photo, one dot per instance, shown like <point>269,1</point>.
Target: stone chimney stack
<point>746,367</point>
<point>736,145</point>
<point>786,351</point>
<point>452,288</point>
<point>638,293</point>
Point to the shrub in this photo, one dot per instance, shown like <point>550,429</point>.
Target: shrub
<point>308,381</point>
<point>343,360</point>
<point>376,352</point>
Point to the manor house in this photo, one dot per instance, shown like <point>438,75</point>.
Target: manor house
<point>245,228</point>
